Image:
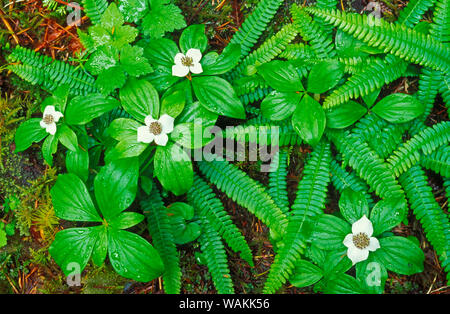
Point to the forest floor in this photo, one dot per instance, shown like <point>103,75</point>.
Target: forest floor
<point>26,267</point>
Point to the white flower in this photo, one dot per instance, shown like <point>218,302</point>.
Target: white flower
<point>155,130</point>
<point>49,119</point>
<point>360,241</point>
<point>189,62</point>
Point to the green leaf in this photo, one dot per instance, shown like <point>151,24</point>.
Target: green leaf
<point>49,147</point>
<point>343,284</point>
<point>3,239</point>
<point>173,167</point>
<point>126,220</point>
<point>72,201</point>
<point>78,163</point>
<point>336,262</point>
<point>173,101</point>
<point>111,17</point>
<point>133,257</point>
<point>387,214</point>
<point>344,115</point>
<point>370,99</point>
<point>399,108</point>
<point>83,109</point>
<point>67,137</point>
<point>161,52</point>
<point>27,133</point>
<point>58,99</point>
<point>353,205</point>
<point>101,246</point>
<point>115,186</point>
<point>400,255</point>
<point>218,96</point>
<point>99,35</point>
<point>111,79</point>
<point>73,247</point>
<point>133,10</point>
<point>330,232</point>
<point>139,98</point>
<point>193,37</point>
<point>280,105</point>
<point>371,275</point>
<point>103,59</point>
<point>197,114</point>
<point>162,19</point>
<point>281,76</point>
<point>123,129</point>
<point>309,120</point>
<point>324,76</point>
<point>162,78</point>
<point>225,62</point>
<point>124,35</point>
<point>133,61</point>
<point>305,274</point>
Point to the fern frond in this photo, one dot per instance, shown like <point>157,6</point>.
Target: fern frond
<point>162,237</point>
<point>245,191</point>
<point>374,76</point>
<point>308,205</point>
<point>429,81</point>
<point>311,32</point>
<point>396,39</point>
<point>203,199</point>
<point>433,219</point>
<point>444,89</point>
<point>325,4</point>
<point>367,164</point>
<point>342,179</point>
<point>412,13</point>
<point>215,257</point>
<point>440,28</point>
<point>254,26</point>
<point>271,48</point>
<point>297,51</point>
<point>277,180</point>
<point>49,74</point>
<point>94,9</point>
<point>425,142</point>
<point>438,161</point>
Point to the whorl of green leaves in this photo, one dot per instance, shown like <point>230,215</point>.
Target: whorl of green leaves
<point>215,258</point>
<point>425,142</point>
<point>254,26</point>
<point>278,180</point>
<point>204,200</point>
<point>312,32</point>
<point>433,219</point>
<point>374,76</point>
<point>396,39</point>
<point>162,237</point>
<point>308,205</point>
<point>245,191</point>
<point>49,74</point>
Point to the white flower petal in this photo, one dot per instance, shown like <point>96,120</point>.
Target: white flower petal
<point>166,123</point>
<point>51,128</point>
<point>57,115</point>
<point>49,110</point>
<point>374,244</point>
<point>180,70</point>
<point>148,120</point>
<point>195,54</point>
<point>43,124</point>
<point>144,135</point>
<point>196,68</point>
<point>178,57</point>
<point>357,255</point>
<point>363,225</point>
<point>348,241</point>
<point>161,139</point>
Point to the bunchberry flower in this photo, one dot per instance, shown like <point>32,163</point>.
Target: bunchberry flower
<point>49,119</point>
<point>155,130</point>
<point>360,241</point>
<point>187,63</point>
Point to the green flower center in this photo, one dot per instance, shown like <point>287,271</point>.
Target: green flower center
<point>361,240</point>
<point>187,61</point>
<point>155,128</point>
<point>48,119</point>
